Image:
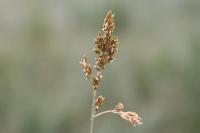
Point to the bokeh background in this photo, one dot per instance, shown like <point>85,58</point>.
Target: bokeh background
<point>157,72</point>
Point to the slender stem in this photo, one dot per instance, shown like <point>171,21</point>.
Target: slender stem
<point>93,112</point>
<point>104,112</point>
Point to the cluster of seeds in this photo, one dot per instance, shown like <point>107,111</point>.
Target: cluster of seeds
<point>132,117</point>
<point>106,51</point>
<point>106,43</point>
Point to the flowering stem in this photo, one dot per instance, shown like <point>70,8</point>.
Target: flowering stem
<point>93,112</point>
<point>105,112</point>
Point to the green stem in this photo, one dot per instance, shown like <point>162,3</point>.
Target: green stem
<point>93,112</point>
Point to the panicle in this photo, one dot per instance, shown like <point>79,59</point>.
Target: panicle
<point>105,50</point>
<point>105,43</point>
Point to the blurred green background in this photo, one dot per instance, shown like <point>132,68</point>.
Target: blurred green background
<point>157,72</point>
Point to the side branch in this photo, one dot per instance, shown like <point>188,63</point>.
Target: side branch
<point>105,112</point>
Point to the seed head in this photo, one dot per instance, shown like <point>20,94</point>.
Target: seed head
<point>99,102</point>
<point>106,44</point>
<point>132,117</point>
<point>119,107</point>
<point>87,70</point>
<point>96,81</point>
<point>109,24</point>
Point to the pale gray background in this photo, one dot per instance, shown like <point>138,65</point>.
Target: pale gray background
<point>157,72</point>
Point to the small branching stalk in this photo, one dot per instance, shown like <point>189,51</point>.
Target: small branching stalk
<point>105,52</point>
